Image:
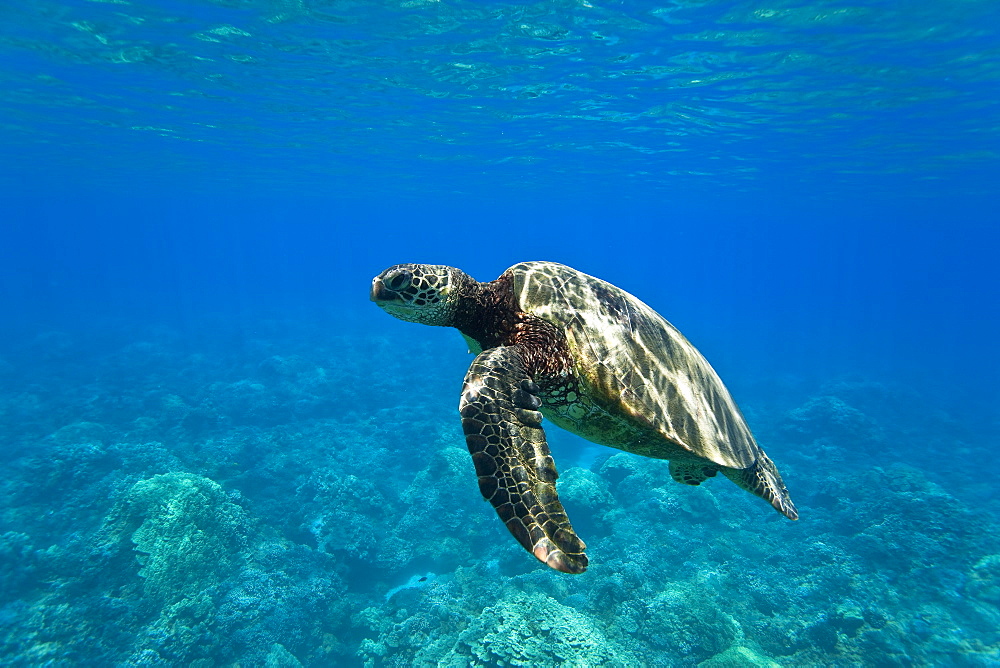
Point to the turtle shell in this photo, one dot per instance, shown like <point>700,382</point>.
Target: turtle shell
<point>636,364</point>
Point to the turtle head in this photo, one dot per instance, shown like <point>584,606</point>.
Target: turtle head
<point>424,293</point>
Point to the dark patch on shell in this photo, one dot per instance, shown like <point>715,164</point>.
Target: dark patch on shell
<point>611,301</point>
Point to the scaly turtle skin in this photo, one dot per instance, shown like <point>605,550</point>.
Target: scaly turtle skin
<point>594,360</point>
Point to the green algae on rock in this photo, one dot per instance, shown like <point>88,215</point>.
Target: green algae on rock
<point>535,630</point>
<point>739,656</point>
<point>190,536</point>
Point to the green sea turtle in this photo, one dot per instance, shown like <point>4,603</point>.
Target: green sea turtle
<point>593,359</point>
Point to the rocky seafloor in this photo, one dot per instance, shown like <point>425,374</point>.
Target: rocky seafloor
<point>293,497</point>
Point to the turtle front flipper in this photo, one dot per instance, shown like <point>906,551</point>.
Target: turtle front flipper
<point>503,430</point>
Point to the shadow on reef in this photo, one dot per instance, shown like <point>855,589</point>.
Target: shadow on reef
<point>288,501</point>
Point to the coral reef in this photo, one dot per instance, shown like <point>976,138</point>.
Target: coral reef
<point>288,501</point>
<point>534,630</point>
<point>190,536</point>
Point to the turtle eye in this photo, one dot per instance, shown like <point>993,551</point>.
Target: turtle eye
<point>399,280</point>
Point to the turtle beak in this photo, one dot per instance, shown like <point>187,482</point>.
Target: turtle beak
<point>378,289</point>
<point>380,293</point>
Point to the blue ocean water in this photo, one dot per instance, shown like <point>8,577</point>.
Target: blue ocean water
<point>217,451</point>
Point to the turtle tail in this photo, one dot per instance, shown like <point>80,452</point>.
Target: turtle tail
<point>762,478</point>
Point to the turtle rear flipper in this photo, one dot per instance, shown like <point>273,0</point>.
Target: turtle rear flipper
<point>503,431</point>
<point>692,473</point>
<point>762,478</point>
